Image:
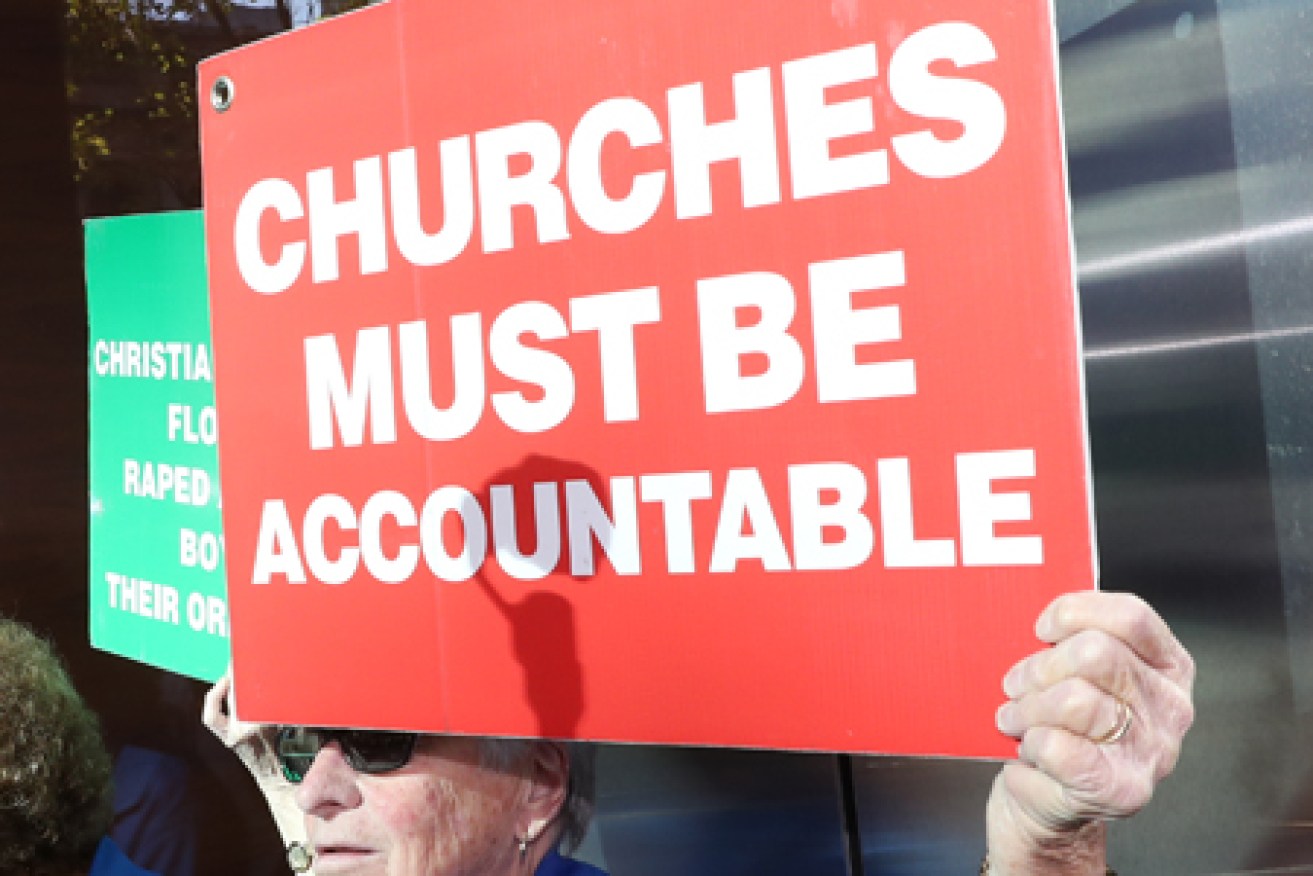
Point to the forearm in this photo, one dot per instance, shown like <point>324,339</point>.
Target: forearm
<point>253,745</point>
<point>1020,847</point>
<point>1080,855</point>
<point>289,821</point>
<point>279,794</point>
<point>287,817</point>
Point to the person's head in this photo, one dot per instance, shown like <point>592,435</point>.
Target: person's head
<point>402,805</point>
<point>55,799</point>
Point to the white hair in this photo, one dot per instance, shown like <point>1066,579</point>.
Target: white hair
<point>577,810</point>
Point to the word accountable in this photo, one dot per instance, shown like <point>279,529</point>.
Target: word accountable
<point>389,535</point>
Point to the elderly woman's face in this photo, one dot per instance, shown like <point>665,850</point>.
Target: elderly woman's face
<point>443,814</point>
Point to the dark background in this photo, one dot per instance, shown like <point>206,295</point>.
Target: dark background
<point>43,474</point>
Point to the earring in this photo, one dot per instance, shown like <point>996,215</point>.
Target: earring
<point>524,847</point>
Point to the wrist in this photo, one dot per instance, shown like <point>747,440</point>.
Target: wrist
<point>287,816</point>
<point>986,869</point>
<point>1020,844</point>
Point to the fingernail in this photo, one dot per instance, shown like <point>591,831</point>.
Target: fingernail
<point>1012,682</point>
<point>1044,625</point>
<point>1006,720</point>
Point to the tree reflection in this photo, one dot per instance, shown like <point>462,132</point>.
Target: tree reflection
<point>131,74</point>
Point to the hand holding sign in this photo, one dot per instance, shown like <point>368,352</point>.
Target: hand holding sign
<point>1100,716</point>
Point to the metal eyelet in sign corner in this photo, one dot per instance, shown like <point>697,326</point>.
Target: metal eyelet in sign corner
<point>222,93</point>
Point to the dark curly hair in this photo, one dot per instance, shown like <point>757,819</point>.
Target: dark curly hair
<point>55,799</point>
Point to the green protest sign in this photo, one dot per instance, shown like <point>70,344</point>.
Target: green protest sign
<point>156,571</point>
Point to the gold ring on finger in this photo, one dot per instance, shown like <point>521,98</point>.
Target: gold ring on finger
<point>1120,725</point>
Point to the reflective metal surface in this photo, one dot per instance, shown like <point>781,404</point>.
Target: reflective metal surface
<point>669,811</point>
<point>1190,138</point>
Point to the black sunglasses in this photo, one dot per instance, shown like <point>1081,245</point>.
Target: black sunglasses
<point>367,751</point>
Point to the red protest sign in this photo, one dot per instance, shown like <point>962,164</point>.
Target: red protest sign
<point>654,372</point>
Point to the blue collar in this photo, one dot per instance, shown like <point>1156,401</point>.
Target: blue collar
<point>555,865</point>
